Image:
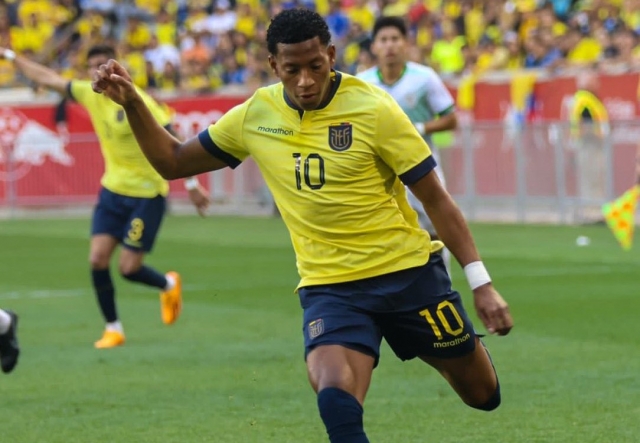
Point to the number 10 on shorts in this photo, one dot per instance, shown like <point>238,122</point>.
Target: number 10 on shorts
<point>440,314</point>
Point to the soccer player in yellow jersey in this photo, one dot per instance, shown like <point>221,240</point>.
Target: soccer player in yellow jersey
<point>132,198</point>
<point>335,151</point>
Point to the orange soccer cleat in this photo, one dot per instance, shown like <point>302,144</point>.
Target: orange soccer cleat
<point>110,339</point>
<point>171,300</point>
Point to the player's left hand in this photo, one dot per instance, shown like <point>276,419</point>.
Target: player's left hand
<point>113,80</point>
<point>200,199</point>
<point>492,310</point>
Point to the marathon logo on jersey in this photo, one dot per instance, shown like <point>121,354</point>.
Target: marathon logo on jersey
<point>316,328</point>
<point>340,136</point>
<point>278,131</point>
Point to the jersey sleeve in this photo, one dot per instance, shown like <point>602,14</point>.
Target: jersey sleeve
<point>159,112</point>
<point>79,91</point>
<point>439,98</point>
<point>400,145</point>
<point>224,139</point>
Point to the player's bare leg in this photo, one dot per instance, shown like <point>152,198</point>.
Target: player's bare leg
<point>132,268</point>
<point>472,376</point>
<point>341,378</point>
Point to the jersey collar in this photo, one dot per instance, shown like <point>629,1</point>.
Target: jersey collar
<point>336,78</point>
<point>379,74</point>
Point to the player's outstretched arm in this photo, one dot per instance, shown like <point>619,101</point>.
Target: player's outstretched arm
<point>36,72</point>
<point>166,154</point>
<point>453,230</point>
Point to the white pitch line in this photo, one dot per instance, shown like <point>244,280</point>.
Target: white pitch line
<point>76,292</point>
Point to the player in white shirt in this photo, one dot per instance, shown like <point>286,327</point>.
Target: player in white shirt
<point>418,90</point>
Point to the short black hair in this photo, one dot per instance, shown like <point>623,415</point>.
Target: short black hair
<point>296,26</point>
<point>107,50</point>
<point>389,22</point>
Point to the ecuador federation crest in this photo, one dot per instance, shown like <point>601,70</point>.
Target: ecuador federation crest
<point>316,328</point>
<point>340,136</point>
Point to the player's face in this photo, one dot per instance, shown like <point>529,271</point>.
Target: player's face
<point>390,46</point>
<point>305,71</point>
<point>93,63</point>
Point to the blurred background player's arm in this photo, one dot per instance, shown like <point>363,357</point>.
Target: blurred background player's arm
<point>441,103</point>
<point>447,122</point>
<point>36,72</point>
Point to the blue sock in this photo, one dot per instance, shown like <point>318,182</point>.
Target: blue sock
<point>147,276</point>
<point>105,293</point>
<point>342,416</point>
<point>493,402</point>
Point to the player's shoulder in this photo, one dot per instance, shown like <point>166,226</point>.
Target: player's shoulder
<point>350,84</point>
<point>264,96</point>
<point>369,75</point>
<point>77,87</point>
<point>421,70</point>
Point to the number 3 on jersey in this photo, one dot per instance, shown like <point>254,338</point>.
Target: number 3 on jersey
<point>313,171</point>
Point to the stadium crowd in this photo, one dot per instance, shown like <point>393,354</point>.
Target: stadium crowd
<point>178,46</point>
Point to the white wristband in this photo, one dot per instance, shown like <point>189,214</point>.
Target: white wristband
<point>476,274</point>
<point>420,127</point>
<point>191,183</point>
<point>8,54</point>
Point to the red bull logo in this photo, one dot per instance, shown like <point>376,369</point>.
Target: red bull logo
<point>26,143</point>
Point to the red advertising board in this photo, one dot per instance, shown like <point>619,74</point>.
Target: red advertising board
<point>47,166</point>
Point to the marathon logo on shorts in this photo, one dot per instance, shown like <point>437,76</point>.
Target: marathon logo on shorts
<point>340,136</point>
<point>316,328</point>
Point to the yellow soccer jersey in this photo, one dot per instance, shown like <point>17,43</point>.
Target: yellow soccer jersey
<point>127,171</point>
<point>334,175</point>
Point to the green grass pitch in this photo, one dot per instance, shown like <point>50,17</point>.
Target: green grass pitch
<point>231,369</point>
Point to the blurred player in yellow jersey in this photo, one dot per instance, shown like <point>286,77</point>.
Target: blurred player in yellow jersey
<point>335,151</point>
<point>132,199</point>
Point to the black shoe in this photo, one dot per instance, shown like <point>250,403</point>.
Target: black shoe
<point>9,349</point>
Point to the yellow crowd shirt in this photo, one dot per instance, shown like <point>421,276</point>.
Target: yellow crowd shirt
<point>334,173</point>
<point>127,171</point>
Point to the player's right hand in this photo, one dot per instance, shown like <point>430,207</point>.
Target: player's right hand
<point>492,310</point>
<point>113,80</point>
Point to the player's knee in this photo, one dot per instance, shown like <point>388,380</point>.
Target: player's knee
<point>98,260</point>
<point>128,270</point>
<point>487,402</point>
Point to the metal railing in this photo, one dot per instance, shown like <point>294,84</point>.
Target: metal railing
<point>539,172</point>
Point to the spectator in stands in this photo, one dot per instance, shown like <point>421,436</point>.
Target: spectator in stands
<point>168,80</point>
<point>232,73</point>
<point>137,34</point>
<point>338,22</point>
<point>161,54</point>
<point>625,42</point>
<point>454,36</point>
<point>32,35</point>
<point>222,20</point>
<point>540,54</point>
<point>446,55</point>
<point>166,28</point>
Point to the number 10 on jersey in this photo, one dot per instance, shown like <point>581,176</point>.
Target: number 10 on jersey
<point>313,171</point>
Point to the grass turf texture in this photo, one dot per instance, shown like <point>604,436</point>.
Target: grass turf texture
<point>231,369</point>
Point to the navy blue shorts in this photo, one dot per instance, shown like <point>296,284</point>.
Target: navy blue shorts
<point>414,310</point>
<point>134,221</point>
